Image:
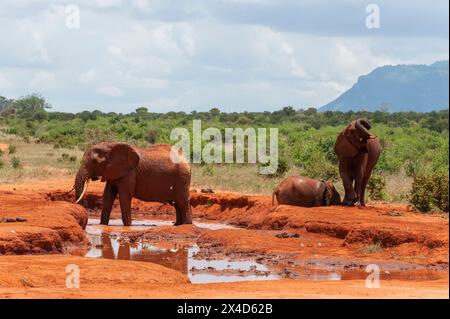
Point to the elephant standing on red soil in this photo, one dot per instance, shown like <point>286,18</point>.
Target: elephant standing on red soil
<point>306,192</point>
<point>153,174</point>
<point>358,152</point>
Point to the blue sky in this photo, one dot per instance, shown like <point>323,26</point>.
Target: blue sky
<point>194,55</point>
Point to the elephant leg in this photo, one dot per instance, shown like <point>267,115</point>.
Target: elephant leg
<point>359,181</point>
<point>348,186</point>
<point>125,206</point>
<point>178,220</point>
<point>186,213</point>
<point>363,191</point>
<point>183,207</point>
<point>109,195</point>
<point>183,214</point>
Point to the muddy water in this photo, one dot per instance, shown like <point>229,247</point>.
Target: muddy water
<point>205,265</point>
<point>109,245</point>
<point>205,269</point>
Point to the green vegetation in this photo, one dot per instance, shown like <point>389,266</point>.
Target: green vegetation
<point>371,249</point>
<point>12,149</point>
<point>375,187</point>
<point>414,144</point>
<point>430,192</point>
<point>15,162</point>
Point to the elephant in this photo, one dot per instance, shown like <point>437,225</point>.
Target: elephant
<point>306,192</point>
<point>153,174</point>
<point>357,151</point>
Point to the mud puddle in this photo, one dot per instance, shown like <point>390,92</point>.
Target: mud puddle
<point>200,265</point>
<point>207,265</point>
<point>112,245</point>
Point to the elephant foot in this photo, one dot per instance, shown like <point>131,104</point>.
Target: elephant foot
<point>348,203</point>
<point>360,205</point>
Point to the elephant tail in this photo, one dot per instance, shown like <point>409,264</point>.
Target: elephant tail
<point>274,196</point>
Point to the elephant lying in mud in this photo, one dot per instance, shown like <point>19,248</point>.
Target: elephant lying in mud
<point>306,192</point>
<point>147,174</point>
<point>358,152</point>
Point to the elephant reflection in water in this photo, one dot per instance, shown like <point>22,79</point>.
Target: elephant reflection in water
<point>177,260</point>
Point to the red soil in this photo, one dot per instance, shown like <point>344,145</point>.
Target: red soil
<point>326,234</point>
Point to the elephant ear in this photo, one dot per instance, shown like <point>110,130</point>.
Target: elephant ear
<point>343,146</point>
<point>121,160</point>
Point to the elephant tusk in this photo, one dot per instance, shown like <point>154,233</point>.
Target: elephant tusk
<point>84,190</point>
<point>372,137</point>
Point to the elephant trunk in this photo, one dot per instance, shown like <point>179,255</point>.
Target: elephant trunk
<point>363,127</point>
<point>81,182</point>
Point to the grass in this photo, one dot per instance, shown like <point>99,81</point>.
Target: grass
<point>371,249</point>
<point>34,161</point>
<point>41,161</point>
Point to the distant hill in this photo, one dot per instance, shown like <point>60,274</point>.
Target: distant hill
<point>420,88</point>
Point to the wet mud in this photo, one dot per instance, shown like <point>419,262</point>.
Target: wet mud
<point>235,240</point>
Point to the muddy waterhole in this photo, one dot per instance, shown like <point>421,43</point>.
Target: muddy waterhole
<point>201,265</point>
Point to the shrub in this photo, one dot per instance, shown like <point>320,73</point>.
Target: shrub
<point>96,135</point>
<point>15,162</point>
<point>371,249</point>
<point>376,186</point>
<point>12,149</point>
<point>429,191</point>
<point>282,167</point>
<point>441,193</point>
<point>1,163</point>
<point>208,170</point>
<point>152,136</point>
<point>67,158</point>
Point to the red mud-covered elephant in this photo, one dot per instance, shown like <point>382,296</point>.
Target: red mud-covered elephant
<point>306,192</point>
<point>147,174</point>
<point>358,152</point>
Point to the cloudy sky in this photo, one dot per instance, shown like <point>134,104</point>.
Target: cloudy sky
<point>194,55</point>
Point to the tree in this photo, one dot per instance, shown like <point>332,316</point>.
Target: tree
<point>214,112</point>
<point>142,111</point>
<point>27,106</point>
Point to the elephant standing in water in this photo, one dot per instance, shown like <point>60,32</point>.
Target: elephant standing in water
<point>147,174</point>
<point>306,192</point>
<point>358,152</point>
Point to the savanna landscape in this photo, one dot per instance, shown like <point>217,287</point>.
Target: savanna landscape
<point>239,242</point>
<point>219,152</point>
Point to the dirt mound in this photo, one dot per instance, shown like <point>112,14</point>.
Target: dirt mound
<point>345,229</point>
<point>50,272</point>
<point>355,225</point>
<point>39,226</point>
<point>45,277</point>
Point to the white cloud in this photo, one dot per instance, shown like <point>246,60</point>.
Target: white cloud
<point>110,90</point>
<point>238,54</point>
<point>87,76</point>
<point>5,84</point>
<point>108,3</point>
<point>42,80</point>
<point>155,84</point>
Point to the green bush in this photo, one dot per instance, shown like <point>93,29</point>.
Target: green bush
<point>376,186</point>
<point>15,162</point>
<point>12,149</point>
<point>282,167</point>
<point>430,191</point>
